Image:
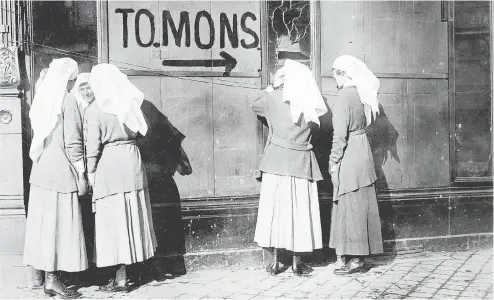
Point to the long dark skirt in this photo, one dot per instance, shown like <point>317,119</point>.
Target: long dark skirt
<point>355,223</point>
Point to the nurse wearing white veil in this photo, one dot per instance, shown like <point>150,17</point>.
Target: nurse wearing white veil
<point>124,232</point>
<point>288,216</point>
<point>355,224</point>
<point>82,92</point>
<point>54,232</point>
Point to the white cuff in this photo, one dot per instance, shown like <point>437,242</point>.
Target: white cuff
<point>91,178</point>
<point>269,89</point>
<point>79,166</point>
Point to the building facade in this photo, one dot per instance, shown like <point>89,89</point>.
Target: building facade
<point>199,65</point>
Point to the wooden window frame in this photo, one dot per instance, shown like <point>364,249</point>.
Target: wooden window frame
<point>455,179</point>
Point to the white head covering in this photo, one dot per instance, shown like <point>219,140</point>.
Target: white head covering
<point>116,95</point>
<point>301,90</point>
<point>81,78</point>
<point>364,80</point>
<point>47,103</point>
<point>42,75</point>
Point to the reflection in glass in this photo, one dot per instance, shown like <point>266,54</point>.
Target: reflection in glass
<point>473,142</point>
<point>65,29</point>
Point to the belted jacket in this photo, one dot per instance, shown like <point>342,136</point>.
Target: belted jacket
<point>112,154</point>
<point>351,153</point>
<point>288,150</point>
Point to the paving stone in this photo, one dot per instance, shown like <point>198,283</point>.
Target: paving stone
<point>447,292</point>
<point>272,293</point>
<point>392,296</point>
<point>187,296</point>
<point>352,286</point>
<point>319,294</point>
<point>471,294</point>
<point>258,297</point>
<point>340,295</point>
<point>416,295</point>
<point>431,284</point>
<point>413,278</point>
<point>295,294</point>
<point>240,296</point>
<point>426,289</point>
<point>445,266</point>
<point>453,287</point>
<point>439,276</point>
<point>308,287</point>
<point>397,291</point>
<point>408,283</point>
<point>219,294</point>
<point>365,295</point>
<point>432,275</point>
<point>453,262</point>
<point>389,279</point>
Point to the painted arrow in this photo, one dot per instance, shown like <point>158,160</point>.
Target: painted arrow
<point>227,61</point>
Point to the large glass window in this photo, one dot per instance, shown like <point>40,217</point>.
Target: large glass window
<point>473,123</point>
<point>64,29</point>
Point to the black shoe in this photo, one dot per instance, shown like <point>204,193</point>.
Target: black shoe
<point>54,286</point>
<point>276,268</point>
<point>112,287</point>
<point>38,279</point>
<point>107,287</point>
<point>355,265</point>
<point>301,269</point>
<point>62,293</point>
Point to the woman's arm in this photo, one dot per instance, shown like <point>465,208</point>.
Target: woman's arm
<point>72,135</point>
<point>258,106</point>
<point>341,119</point>
<point>93,140</point>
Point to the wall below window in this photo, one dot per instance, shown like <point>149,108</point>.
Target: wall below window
<point>219,232</point>
<point>215,230</point>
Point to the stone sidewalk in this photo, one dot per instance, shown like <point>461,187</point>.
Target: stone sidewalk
<point>440,275</point>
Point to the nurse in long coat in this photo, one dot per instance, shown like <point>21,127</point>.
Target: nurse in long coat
<point>84,97</point>
<point>124,232</point>
<point>288,216</point>
<point>54,232</point>
<point>355,224</point>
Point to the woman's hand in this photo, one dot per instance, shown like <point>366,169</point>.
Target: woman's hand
<point>91,177</point>
<point>82,185</point>
<point>335,173</point>
<point>269,88</point>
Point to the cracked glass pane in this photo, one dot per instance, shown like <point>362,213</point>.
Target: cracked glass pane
<point>289,31</point>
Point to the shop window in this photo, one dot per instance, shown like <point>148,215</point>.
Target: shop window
<point>473,94</point>
<point>289,31</point>
<point>64,29</point>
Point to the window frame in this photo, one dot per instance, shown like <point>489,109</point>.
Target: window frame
<point>455,179</point>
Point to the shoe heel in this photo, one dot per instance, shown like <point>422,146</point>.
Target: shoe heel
<point>49,293</point>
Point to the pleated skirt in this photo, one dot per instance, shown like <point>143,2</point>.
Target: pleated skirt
<point>54,234</point>
<point>355,223</point>
<point>288,216</point>
<point>124,232</point>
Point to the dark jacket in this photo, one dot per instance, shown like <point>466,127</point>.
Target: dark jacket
<point>351,150</point>
<point>288,150</point>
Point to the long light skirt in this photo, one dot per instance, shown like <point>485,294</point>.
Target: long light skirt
<point>355,223</point>
<point>288,216</point>
<point>54,234</point>
<point>124,232</point>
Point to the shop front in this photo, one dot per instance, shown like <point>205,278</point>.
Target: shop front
<point>200,64</point>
